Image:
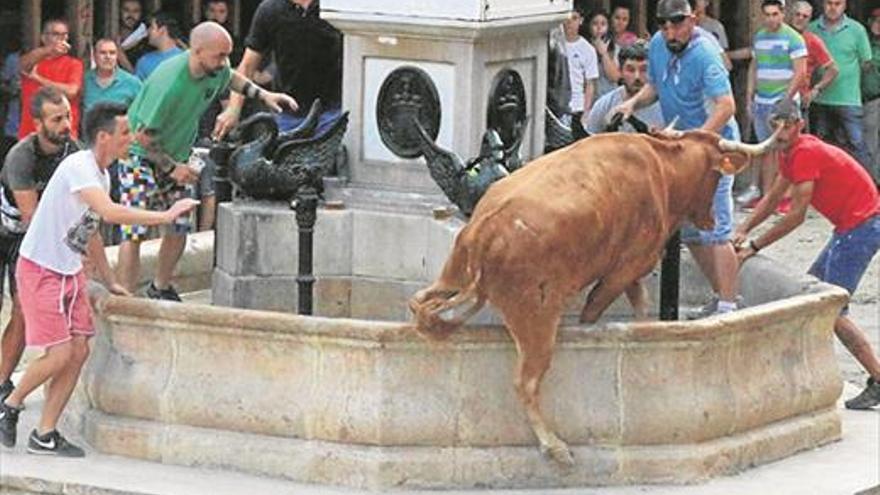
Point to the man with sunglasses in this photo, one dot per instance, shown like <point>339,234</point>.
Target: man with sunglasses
<point>51,65</point>
<point>687,75</point>
<point>827,178</point>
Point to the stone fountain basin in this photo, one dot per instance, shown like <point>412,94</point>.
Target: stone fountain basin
<point>370,404</point>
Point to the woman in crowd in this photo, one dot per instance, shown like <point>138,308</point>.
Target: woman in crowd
<point>600,36</point>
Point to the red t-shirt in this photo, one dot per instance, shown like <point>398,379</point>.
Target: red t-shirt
<point>64,69</point>
<point>842,189</point>
<point>817,56</point>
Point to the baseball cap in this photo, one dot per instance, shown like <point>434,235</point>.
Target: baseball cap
<point>785,109</point>
<point>673,8</point>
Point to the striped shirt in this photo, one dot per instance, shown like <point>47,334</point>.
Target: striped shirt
<point>775,53</point>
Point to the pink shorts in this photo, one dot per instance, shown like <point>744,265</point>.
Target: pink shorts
<point>55,306</point>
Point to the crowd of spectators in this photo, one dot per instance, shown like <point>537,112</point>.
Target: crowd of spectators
<point>830,68</point>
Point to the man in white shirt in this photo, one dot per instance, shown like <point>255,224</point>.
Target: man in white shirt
<point>583,70</point>
<point>51,282</point>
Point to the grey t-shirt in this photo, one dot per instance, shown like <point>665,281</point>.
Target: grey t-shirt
<point>717,29</point>
<point>599,115</point>
<point>26,168</point>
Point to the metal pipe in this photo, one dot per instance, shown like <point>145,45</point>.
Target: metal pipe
<point>219,154</point>
<point>669,278</point>
<point>306,207</point>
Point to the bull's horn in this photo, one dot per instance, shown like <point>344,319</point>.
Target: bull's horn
<point>671,126</point>
<point>750,149</point>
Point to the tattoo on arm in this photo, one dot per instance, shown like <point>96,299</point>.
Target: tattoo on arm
<point>164,163</point>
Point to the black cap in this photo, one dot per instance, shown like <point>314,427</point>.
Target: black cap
<point>786,109</point>
<point>672,8</point>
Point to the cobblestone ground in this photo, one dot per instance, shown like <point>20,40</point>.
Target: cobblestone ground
<point>799,249</point>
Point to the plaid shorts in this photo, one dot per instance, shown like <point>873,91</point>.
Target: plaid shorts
<point>138,188</point>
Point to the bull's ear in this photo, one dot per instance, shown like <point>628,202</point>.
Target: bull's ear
<point>732,162</point>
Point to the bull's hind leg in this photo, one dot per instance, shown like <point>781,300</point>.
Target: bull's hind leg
<point>610,287</point>
<point>534,334</point>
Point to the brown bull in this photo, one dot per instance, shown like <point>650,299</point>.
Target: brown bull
<point>598,211</point>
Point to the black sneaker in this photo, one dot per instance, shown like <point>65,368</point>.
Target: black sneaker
<point>6,388</point>
<point>52,443</point>
<point>168,294</point>
<point>8,424</point>
<point>869,397</point>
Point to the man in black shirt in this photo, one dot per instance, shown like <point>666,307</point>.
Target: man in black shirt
<point>308,54</point>
<point>26,171</point>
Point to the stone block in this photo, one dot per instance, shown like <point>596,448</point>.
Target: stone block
<point>381,299</point>
<point>276,293</point>
<point>250,237</point>
<point>389,245</point>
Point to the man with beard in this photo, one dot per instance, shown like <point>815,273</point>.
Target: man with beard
<point>50,64</point>
<point>688,77</point>
<point>825,177</point>
<point>165,116</point>
<point>26,171</point>
<point>132,34</point>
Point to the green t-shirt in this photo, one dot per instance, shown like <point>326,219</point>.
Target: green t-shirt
<point>849,47</point>
<point>871,78</point>
<point>171,103</point>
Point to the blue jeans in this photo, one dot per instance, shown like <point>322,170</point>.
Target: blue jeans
<point>722,212</point>
<point>843,126</point>
<point>287,121</point>
<point>844,260</point>
<point>761,120</point>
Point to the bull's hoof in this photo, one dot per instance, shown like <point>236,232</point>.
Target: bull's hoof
<point>559,454</point>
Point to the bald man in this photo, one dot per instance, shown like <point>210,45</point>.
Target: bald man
<point>165,117</point>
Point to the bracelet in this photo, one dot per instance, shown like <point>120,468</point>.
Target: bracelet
<point>250,90</point>
<point>754,247</point>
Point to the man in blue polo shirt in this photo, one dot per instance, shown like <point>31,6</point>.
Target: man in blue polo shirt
<point>107,82</point>
<point>687,75</point>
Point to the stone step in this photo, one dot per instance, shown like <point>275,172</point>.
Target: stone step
<point>848,466</point>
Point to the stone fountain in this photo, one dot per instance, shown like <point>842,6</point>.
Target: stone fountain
<point>353,397</point>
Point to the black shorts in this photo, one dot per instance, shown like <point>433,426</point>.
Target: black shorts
<point>9,244</point>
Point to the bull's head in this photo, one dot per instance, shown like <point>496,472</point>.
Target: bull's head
<point>736,156</point>
<point>733,157</point>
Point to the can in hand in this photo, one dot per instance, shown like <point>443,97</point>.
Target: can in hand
<point>197,159</point>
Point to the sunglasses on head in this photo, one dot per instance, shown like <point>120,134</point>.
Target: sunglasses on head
<point>674,19</point>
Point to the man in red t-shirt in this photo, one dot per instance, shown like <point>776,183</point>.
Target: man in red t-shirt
<point>50,65</point>
<point>825,177</point>
<point>821,69</point>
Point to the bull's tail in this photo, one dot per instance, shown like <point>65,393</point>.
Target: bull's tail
<point>428,304</point>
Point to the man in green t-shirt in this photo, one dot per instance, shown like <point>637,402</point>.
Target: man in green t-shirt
<point>837,111</point>
<point>871,91</point>
<point>165,116</point>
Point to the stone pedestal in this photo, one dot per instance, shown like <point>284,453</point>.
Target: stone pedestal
<point>461,46</point>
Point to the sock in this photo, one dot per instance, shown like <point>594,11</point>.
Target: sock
<point>726,306</point>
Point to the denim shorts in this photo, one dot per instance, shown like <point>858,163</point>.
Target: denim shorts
<point>761,115</point>
<point>844,260</point>
<point>722,212</point>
